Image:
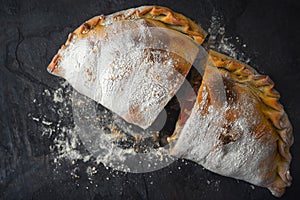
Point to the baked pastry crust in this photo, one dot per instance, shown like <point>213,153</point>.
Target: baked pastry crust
<point>263,88</point>
<point>167,17</point>
<point>103,49</point>
<point>264,119</point>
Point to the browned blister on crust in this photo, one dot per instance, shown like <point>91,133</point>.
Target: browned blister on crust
<point>262,87</point>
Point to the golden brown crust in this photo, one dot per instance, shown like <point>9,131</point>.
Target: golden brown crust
<point>172,20</point>
<point>263,87</point>
<point>175,21</point>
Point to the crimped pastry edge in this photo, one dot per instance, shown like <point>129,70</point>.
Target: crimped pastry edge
<point>165,15</point>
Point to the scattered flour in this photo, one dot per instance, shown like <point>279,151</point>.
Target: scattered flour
<point>219,41</point>
<point>72,142</point>
<point>58,95</point>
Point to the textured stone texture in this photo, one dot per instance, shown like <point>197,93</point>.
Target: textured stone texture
<point>32,31</point>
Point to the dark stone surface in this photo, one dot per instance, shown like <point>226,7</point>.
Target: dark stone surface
<point>32,31</point>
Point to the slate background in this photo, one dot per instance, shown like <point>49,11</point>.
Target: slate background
<point>31,33</point>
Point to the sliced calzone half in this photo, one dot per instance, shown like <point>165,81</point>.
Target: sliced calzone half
<point>132,62</point>
<point>237,127</point>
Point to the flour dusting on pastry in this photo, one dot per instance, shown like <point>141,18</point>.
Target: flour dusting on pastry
<point>134,73</point>
<point>134,63</point>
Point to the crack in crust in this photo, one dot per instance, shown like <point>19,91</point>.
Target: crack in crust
<point>263,88</point>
